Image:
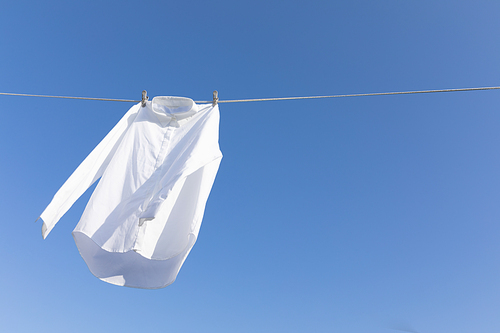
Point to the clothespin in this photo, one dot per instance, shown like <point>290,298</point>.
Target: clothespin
<point>144,98</point>
<point>216,98</point>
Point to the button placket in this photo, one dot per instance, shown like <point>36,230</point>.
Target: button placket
<point>162,154</point>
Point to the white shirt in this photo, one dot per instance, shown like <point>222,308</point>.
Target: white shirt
<point>157,165</point>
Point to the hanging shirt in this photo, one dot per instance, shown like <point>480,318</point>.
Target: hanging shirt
<point>157,166</point>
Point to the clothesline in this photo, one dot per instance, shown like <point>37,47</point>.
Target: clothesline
<point>266,99</point>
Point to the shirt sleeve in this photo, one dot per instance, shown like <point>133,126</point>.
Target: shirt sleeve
<point>90,170</point>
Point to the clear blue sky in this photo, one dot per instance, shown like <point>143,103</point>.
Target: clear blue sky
<point>363,214</point>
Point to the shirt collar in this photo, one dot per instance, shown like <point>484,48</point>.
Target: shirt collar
<point>169,108</point>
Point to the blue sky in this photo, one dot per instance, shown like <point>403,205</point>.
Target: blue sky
<point>365,214</point>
